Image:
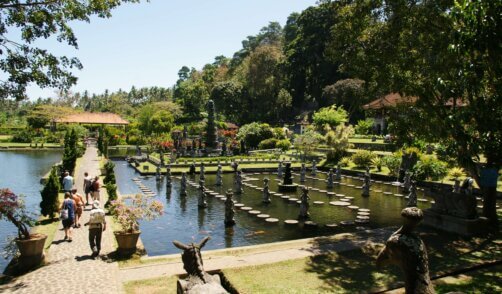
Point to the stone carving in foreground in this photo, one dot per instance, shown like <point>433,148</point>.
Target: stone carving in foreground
<point>412,197</point>
<point>461,204</point>
<point>405,249</point>
<point>266,192</point>
<point>304,205</point>
<point>202,195</point>
<point>198,281</point>
<point>229,209</point>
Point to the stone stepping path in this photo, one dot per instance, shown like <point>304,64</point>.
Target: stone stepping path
<point>318,202</point>
<point>263,216</point>
<point>254,212</point>
<point>272,220</point>
<point>310,224</point>
<point>339,203</point>
<point>291,222</point>
<point>246,208</point>
<point>353,207</point>
<point>347,223</point>
<point>363,213</point>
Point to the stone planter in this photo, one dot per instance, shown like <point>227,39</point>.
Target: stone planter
<point>126,242</point>
<point>31,251</point>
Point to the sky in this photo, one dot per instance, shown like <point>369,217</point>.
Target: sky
<point>146,44</point>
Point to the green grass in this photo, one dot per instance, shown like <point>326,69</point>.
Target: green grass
<point>27,145</point>
<point>366,141</point>
<point>226,168</point>
<point>153,286</point>
<point>48,226</point>
<point>476,282</point>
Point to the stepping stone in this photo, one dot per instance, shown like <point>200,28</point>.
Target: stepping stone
<point>358,187</point>
<point>255,212</point>
<point>378,182</point>
<point>345,199</point>
<point>285,197</point>
<point>293,199</point>
<point>377,191</point>
<point>422,200</point>
<point>279,194</point>
<point>336,183</point>
<point>315,189</point>
<point>246,208</point>
<point>362,217</point>
<point>363,213</point>
<point>353,207</point>
<point>364,209</point>
<point>214,194</point>
<point>310,224</point>
<point>323,191</point>
<point>272,220</point>
<point>350,185</point>
<point>343,184</point>
<point>387,193</point>
<point>339,203</point>
<point>219,196</point>
<point>362,221</point>
<point>331,193</point>
<point>238,205</point>
<point>263,216</point>
<point>318,202</point>
<point>291,222</point>
<point>349,197</point>
<point>398,195</point>
<point>361,228</point>
<point>340,195</point>
<point>480,206</point>
<point>331,226</point>
<point>223,198</point>
<point>298,202</point>
<point>273,193</point>
<point>347,223</point>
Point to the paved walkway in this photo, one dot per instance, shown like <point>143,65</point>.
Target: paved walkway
<point>71,268</point>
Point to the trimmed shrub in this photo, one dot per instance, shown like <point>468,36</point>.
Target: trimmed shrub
<point>392,162</point>
<point>364,127</point>
<point>362,158</point>
<point>284,144</point>
<point>268,143</point>
<point>344,162</point>
<point>50,202</point>
<point>430,168</point>
<point>377,162</point>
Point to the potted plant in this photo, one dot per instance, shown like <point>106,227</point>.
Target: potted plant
<point>31,246</point>
<point>128,216</point>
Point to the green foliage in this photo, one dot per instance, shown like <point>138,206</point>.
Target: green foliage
<point>23,136</point>
<point>392,162</point>
<point>377,162</point>
<point>71,151</point>
<point>252,134</point>
<point>110,182</point>
<point>268,143</point>
<point>338,141</point>
<point>349,93</point>
<point>50,201</point>
<point>345,162</point>
<point>308,141</point>
<point>154,120</point>
<point>363,158</point>
<point>430,168</point>
<point>331,116</point>
<point>364,127</point>
<point>456,172</point>
<point>283,144</point>
<point>27,22</point>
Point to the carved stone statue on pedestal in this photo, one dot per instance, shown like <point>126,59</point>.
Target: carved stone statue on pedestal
<point>229,209</point>
<point>266,192</point>
<point>218,176</point>
<point>202,195</point>
<point>366,185</point>
<point>338,174</point>
<point>314,168</point>
<point>183,184</point>
<point>279,170</point>
<point>168,177</point>
<point>304,205</point>
<point>303,171</point>
<point>238,182</point>
<point>330,178</point>
<point>412,197</point>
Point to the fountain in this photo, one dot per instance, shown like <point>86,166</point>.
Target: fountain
<point>287,182</point>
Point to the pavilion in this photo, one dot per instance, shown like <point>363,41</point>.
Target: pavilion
<point>93,118</point>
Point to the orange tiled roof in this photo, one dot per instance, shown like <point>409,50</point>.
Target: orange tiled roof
<point>94,118</point>
<point>389,100</point>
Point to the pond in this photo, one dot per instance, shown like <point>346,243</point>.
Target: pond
<point>21,172</point>
<point>184,221</point>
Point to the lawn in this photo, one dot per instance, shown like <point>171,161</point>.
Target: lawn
<point>211,169</point>
<point>355,271</point>
<point>27,145</point>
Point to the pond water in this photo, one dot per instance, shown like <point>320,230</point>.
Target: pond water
<point>184,221</point>
<point>21,172</point>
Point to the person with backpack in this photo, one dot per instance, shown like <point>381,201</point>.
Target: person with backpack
<point>68,215</point>
<point>97,225</point>
<point>87,187</point>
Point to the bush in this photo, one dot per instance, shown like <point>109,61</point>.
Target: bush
<point>284,144</point>
<point>363,158</point>
<point>254,133</point>
<point>268,143</point>
<point>331,116</point>
<point>456,173</point>
<point>430,168</point>
<point>50,202</point>
<point>377,162</point>
<point>364,127</point>
<point>344,162</point>
<point>392,162</point>
<point>23,136</point>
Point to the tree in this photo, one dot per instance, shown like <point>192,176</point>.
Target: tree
<point>22,63</point>
<point>338,141</point>
<point>348,93</point>
<point>252,134</point>
<point>331,116</point>
<point>227,97</point>
<point>307,142</point>
<point>50,203</point>
<point>70,151</point>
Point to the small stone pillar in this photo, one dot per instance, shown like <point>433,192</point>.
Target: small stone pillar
<point>314,168</point>
<point>412,197</point>
<point>303,171</point>
<point>279,170</point>
<point>304,205</point>
<point>338,175</point>
<point>266,192</point>
<point>168,177</point>
<point>192,169</point>
<point>218,176</point>
<point>238,182</point>
<point>366,185</point>
<point>330,178</point>
<point>202,175</point>
<point>229,209</point>
<point>183,185</point>
<point>202,195</point>
<point>157,173</point>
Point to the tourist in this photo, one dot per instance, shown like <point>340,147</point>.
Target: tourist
<point>97,225</point>
<point>67,182</point>
<point>79,202</point>
<point>87,187</point>
<point>69,206</point>
<point>95,189</point>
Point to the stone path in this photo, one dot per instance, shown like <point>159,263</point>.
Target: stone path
<point>70,267</point>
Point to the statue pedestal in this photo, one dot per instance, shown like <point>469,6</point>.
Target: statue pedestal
<point>453,224</point>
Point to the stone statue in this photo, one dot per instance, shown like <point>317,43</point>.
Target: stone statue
<point>314,168</point>
<point>202,194</point>
<point>366,185</point>
<point>198,281</point>
<point>405,249</point>
<point>461,204</point>
<point>161,156</point>
<point>138,150</point>
<point>229,209</point>
<point>407,181</point>
<point>304,205</point>
<point>238,182</point>
<point>279,170</point>
<point>330,178</point>
<point>218,176</point>
<point>412,197</point>
<point>338,175</point>
<point>367,172</point>
<point>456,186</point>
<point>168,177</point>
<point>235,166</point>
<point>202,175</point>
<point>192,169</point>
<point>183,185</point>
<point>466,187</point>
<point>303,171</point>
<point>157,173</point>
<point>266,192</point>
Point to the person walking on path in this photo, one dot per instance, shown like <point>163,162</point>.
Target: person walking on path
<point>68,219</point>
<point>87,187</point>
<point>97,225</point>
<point>79,202</point>
<point>67,182</point>
<point>95,189</point>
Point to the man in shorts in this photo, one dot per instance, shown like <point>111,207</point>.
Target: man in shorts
<point>97,225</point>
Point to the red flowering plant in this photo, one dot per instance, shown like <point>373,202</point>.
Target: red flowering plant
<point>128,215</point>
<point>13,209</point>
